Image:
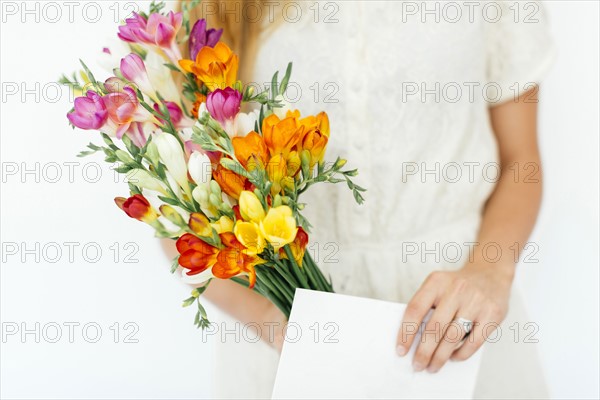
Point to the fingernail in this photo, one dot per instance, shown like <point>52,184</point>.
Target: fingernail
<point>401,351</point>
<point>418,367</point>
<point>432,370</point>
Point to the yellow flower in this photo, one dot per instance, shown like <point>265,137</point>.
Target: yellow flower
<point>250,236</point>
<point>250,207</point>
<point>279,227</point>
<point>224,224</point>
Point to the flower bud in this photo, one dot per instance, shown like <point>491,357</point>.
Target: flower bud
<point>200,225</point>
<point>215,188</point>
<point>169,213</point>
<point>137,207</point>
<point>141,178</point>
<point>152,153</point>
<point>305,160</point>
<point>124,157</point>
<point>214,200</point>
<point>293,163</point>
<point>250,207</point>
<point>340,163</point>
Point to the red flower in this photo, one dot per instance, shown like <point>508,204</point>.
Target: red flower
<point>195,254</point>
<point>137,207</point>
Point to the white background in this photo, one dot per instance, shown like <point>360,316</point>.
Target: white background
<point>171,359</point>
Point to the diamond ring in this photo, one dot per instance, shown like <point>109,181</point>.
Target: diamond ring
<point>466,324</point>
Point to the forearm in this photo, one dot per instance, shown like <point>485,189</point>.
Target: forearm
<point>511,211</point>
<point>244,304</point>
<point>509,216</point>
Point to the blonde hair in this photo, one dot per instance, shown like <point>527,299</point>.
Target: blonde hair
<point>242,21</point>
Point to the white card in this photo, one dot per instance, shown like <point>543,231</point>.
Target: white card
<point>341,346</point>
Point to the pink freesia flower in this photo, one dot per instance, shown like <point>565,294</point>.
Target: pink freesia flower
<point>224,104</point>
<point>201,37</point>
<point>134,70</point>
<point>179,120</point>
<point>138,132</point>
<point>90,112</point>
<point>159,30</point>
<point>124,109</point>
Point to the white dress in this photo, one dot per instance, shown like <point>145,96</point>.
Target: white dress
<point>408,104</point>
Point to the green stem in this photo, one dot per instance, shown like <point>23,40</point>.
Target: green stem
<point>278,281</point>
<point>296,268</point>
<point>264,279</point>
<point>283,271</point>
<point>309,261</point>
<point>315,282</point>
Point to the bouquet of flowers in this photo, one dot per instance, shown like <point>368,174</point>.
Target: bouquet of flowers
<point>224,184</point>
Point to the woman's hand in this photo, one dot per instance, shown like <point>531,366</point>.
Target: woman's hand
<point>478,293</point>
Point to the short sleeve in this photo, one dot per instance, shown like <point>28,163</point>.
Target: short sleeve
<point>520,49</point>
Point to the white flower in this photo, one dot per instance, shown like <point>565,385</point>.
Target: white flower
<point>161,78</point>
<point>196,279</point>
<point>172,156</point>
<point>202,195</point>
<point>200,168</point>
<point>141,178</point>
<point>244,123</point>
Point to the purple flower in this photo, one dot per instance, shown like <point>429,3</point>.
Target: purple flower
<point>201,37</point>
<point>224,104</point>
<point>90,112</point>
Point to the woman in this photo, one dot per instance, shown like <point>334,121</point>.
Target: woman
<point>436,107</point>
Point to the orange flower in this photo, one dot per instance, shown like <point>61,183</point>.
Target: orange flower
<point>230,182</point>
<point>281,135</point>
<point>195,254</point>
<point>319,122</point>
<point>215,67</point>
<point>250,150</point>
<point>200,98</point>
<point>315,142</point>
<point>234,260</point>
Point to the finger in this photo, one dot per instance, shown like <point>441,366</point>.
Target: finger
<point>415,311</point>
<point>434,330</point>
<point>482,329</point>
<point>453,338</point>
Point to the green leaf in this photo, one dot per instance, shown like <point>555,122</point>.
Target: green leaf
<point>286,79</point>
<point>274,90</point>
<point>109,141</point>
<point>122,169</point>
<point>188,302</point>
<point>169,200</point>
<point>132,148</point>
<point>89,74</point>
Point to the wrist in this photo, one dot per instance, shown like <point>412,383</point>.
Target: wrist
<point>503,272</point>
